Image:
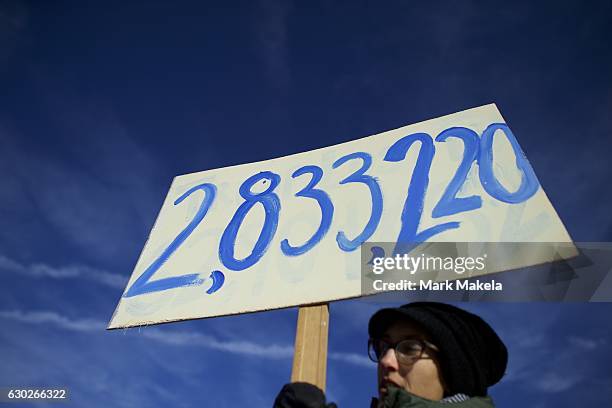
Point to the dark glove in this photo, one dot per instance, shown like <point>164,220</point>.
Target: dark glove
<point>301,395</point>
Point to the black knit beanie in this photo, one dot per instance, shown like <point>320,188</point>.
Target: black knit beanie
<point>472,356</point>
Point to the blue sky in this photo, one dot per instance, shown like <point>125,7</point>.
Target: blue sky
<point>102,104</point>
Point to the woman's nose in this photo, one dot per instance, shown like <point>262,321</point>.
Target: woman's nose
<point>389,359</point>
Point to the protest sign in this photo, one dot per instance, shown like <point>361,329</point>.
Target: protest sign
<point>287,231</point>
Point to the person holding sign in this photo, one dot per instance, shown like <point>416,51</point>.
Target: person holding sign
<point>429,355</point>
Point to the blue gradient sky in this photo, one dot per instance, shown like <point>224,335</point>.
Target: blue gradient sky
<point>102,104</point>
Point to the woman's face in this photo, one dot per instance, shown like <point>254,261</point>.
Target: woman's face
<point>420,377</point>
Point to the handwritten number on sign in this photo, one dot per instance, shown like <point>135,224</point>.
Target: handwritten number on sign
<point>271,204</point>
<point>529,182</point>
<point>143,284</point>
<point>360,177</point>
<point>325,203</point>
<point>449,203</point>
<point>413,206</point>
<point>479,149</point>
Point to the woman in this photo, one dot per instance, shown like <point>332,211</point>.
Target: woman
<point>429,355</point>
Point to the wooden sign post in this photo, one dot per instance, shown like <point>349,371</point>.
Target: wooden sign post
<point>310,355</point>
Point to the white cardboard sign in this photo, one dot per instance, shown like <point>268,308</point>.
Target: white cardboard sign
<point>287,231</point>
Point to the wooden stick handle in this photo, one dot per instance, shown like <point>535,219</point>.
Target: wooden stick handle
<point>310,356</point>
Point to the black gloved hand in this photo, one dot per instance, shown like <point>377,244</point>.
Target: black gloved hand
<point>301,395</point>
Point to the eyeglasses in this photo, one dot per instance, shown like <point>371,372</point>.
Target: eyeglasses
<point>407,351</point>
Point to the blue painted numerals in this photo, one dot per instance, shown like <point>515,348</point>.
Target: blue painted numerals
<point>476,149</point>
<point>413,206</point>
<point>529,182</point>
<point>143,284</point>
<point>450,204</point>
<point>325,203</point>
<point>271,205</point>
<point>360,177</point>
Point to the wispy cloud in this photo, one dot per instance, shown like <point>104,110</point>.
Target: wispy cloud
<point>40,270</point>
<point>175,338</point>
<point>352,358</point>
<point>40,317</point>
<point>236,347</point>
<point>586,343</point>
<point>540,360</point>
<point>553,382</point>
